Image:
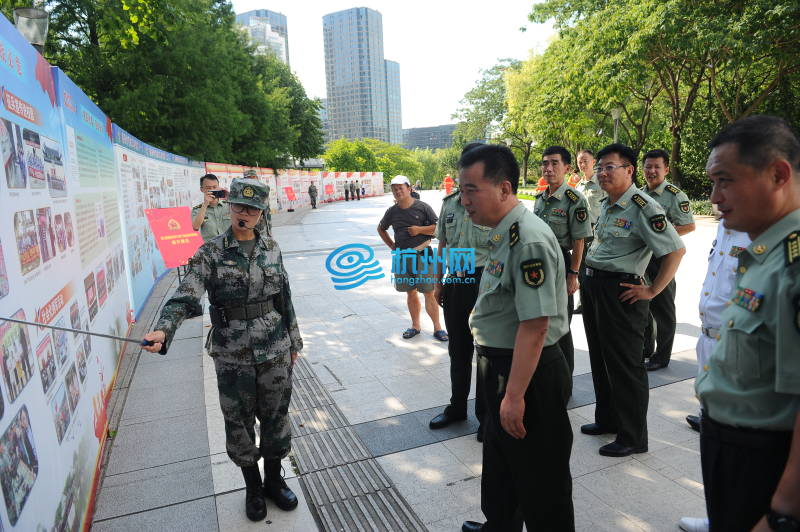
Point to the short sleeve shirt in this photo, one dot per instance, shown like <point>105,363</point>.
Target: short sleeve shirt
<point>752,379</point>
<point>523,279</point>
<point>674,201</point>
<point>594,195</point>
<point>456,228</point>
<point>720,281</point>
<point>629,232</point>
<point>419,213</point>
<point>566,212</point>
<point>216,221</point>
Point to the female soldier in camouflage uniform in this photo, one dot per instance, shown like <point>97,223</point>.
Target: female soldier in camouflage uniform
<point>254,341</point>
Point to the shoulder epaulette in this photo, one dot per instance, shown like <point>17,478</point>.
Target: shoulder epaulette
<point>640,201</point>
<point>673,189</point>
<point>196,206</point>
<point>452,194</point>
<point>572,195</point>
<point>537,194</point>
<point>513,234</point>
<point>791,246</point>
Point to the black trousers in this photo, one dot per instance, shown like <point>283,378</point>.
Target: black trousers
<point>741,469</point>
<point>458,302</point>
<point>527,479</point>
<point>347,195</point>
<point>565,343</point>
<point>615,333</point>
<point>661,320</point>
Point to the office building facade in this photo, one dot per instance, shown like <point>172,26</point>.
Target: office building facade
<point>360,103</point>
<point>267,31</point>
<point>434,138</point>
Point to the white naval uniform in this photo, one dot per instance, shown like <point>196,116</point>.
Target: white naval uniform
<point>718,287</point>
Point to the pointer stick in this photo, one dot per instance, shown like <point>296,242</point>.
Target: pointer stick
<point>120,338</point>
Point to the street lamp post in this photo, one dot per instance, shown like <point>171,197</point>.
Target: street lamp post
<point>32,23</point>
<point>616,112</point>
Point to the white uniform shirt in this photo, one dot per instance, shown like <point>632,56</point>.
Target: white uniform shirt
<point>718,285</point>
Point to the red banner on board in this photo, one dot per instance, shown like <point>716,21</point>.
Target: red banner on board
<point>289,193</point>
<point>176,239</point>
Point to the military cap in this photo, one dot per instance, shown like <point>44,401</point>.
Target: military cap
<point>249,192</point>
<point>251,173</point>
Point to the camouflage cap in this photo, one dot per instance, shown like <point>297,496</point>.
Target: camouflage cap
<point>251,173</point>
<point>249,192</point>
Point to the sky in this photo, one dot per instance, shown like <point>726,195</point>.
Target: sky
<point>441,45</point>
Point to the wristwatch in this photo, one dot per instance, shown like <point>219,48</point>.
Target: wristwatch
<point>782,522</point>
<point>573,272</point>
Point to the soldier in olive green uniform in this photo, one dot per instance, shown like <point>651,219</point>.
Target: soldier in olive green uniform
<point>632,227</point>
<point>679,213</point>
<point>750,388</point>
<point>457,295</point>
<point>264,225</point>
<point>212,217</point>
<point>520,315</point>
<point>254,341</point>
<point>566,212</point>
<point>590,188</point>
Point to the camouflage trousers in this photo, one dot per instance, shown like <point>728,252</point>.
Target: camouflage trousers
<point>258,391</point>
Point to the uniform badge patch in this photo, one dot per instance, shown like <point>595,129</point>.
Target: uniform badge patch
<point>497,238</point>
<point>580,214</point>
<point>622,222</point>
<point>513,234</point>
<point>735,251</point>
<point>658,223</point>
<point>450,217</point>
<point>494,268</point>
<point>559,212</point>
<point>247,192</point>
<point>229,262</point>
<point>684,207</point>
<point>748,299</point>
<point>638,200</point>
<point>673,189</point>
<point>573,197</point>
<point>533,272</point>
<point>792,248</point>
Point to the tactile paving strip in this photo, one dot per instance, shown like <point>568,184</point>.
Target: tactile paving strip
<point>328,449</point>
<point>317,419</point>
<point>307,394</point>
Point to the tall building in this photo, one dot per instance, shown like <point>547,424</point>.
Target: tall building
<point>436,137</point>
<point>267,30</point>
<point>394,119</point>
<point>363,89</point>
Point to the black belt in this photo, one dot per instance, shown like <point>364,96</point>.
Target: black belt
<point>549,353</point>
<point>602,274</point>
<point>462,275</point>
<point>220,316</point>
<point>744,437</point>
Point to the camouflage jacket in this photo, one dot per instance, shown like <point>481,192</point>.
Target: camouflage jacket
<point>231,279</point>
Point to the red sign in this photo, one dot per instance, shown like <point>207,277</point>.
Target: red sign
<point>289,193</point>
<point>176,239</point>
<point>55,305</point>
<point>20,107</point>
<point>329,190</point>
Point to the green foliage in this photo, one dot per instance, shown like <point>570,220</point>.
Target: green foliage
<point>701,207</point>
<point>345,155</point>
<point>178,75</point>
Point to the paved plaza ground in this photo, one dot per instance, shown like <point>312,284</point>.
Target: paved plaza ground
<point>363,457</point>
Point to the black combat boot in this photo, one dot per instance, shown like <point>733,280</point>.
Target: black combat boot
<point>255,506</point>
<point>275,487</point>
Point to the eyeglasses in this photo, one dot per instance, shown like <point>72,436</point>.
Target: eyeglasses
<point>608,168</point>
<point>239,209</point>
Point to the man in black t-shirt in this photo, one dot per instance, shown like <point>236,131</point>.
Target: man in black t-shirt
<point>414,223</point>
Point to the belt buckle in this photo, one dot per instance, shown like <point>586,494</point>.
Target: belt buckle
<point>589,272</point>
<point>461,274</point>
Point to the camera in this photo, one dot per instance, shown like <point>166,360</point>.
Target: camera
<point>219,193</point>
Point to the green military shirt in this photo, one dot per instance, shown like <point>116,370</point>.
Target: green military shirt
<point>232,279</point>
<point>594,195</point>
<point>629,232</point>
<point>456,228</point>
<point>674,201</point>
<point>566,212</point>
<point>752,379</point>
<point>216,221</point>
<point>524,279</point>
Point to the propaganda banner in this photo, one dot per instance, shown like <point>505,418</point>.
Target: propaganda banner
<point>172,229</point>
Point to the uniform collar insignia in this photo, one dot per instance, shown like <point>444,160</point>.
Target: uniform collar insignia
<point>513,234</point>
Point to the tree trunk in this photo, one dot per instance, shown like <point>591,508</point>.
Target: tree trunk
<point>675,159</point>
<point>526,154</point>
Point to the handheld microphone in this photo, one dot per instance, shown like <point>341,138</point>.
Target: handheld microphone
<point>242,224</point>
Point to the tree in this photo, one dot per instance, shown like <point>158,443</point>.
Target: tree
<point>345,155</point>
<point>483,107</point>
<point>394,160</point>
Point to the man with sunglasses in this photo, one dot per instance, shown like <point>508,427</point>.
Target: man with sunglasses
<point>631,229</point>
<point>254,341</point>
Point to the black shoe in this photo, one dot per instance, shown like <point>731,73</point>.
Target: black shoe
<point>275,487</point>
<point>254,505</point>
<point>471,526</point>
<point>694,422</point>
<point>653,365</point>
<point>444,419</point>
<point>593,429</point>
<point>617,449</point>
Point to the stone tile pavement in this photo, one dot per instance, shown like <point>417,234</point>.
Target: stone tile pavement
<point>166,467</point>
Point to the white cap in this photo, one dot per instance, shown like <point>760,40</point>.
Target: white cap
<point>400,180</point>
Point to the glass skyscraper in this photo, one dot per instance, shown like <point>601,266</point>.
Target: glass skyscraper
<point>363,89</point>
<point>267,30</point>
